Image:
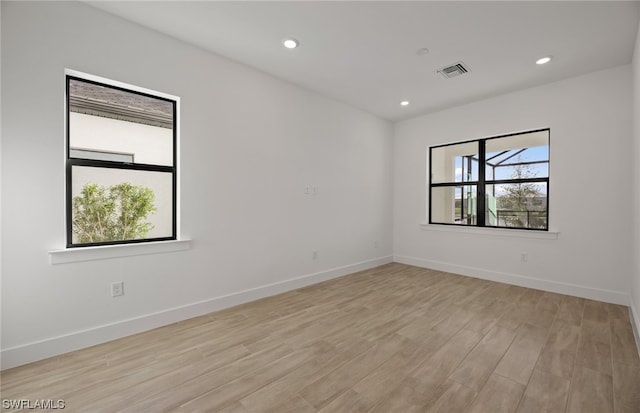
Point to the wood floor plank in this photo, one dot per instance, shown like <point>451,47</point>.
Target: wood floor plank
<point>571,310</point>
<point>412,395</point>
<point>395,338</point>
<point>382,380</point>
<point>270,396</point>
<point>591,392</point>
<point>530,298</point>
<point>545,393</point>
<point>179,373</point>
<point>200,384</point>
<point>623,345</point>
<point>594,347</point>
<point>549,302</point>
<point>483,320</point>
<point>97,396</point>
<point>559,352</point>
<point>618,312</point>
<point>499,395</point>
<point>237,389</point>
<point>476,368</point>
<point>447,358</point>
<point>235,408</point>
<point>521,357</point>
<point>456,399</point>
<point>349,401</point>
<point>596,311</point>
<point>295,404</point>
<point>625,409</point>
<point>513,317</point>
<point>325,389</point>
<point>423,386</point>
<point>626,385</point>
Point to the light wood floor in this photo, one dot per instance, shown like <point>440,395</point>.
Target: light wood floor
<point>392,339</point>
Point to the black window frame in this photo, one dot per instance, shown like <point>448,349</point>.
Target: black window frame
<point>110,164</point>
<point>481,183</point>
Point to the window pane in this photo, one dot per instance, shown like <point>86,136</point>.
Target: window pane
<point>518,157</point>
<point>111,204</point>
<point>454,163</point>
<point>519,205</point>
<point>454,205</point>
<point>103,119</point>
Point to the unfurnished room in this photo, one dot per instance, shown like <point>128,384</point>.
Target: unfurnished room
<point>320,206</point>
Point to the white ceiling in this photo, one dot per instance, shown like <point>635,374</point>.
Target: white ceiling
<point>364,53</point>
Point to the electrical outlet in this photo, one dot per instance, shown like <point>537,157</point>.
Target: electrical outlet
<point>524,257</point>
<point>315,255</point>
<point>117,289</point>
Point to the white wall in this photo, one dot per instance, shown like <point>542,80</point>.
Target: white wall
<point>590,188</point>
<point>635,273</point>
<point>250,144</point>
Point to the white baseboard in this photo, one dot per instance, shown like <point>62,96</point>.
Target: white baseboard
<point>28,353</point>
<point>635,322</point>
<point>614,297</point>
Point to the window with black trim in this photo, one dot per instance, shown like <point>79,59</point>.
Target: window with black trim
<point>121,163</point>
<point>501,182</point>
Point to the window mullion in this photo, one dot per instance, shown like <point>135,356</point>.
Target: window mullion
<point>516,181</point>
<point>120,165</point>
<point>480,190</point>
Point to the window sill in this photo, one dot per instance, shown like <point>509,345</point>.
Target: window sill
<point>70,255</point>
<point>496,232</point>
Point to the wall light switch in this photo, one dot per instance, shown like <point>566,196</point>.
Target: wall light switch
<point>117,289</point>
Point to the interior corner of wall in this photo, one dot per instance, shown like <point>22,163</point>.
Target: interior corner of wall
<point>635,322</point>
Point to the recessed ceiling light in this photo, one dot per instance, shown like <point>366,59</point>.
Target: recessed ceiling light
<point>290,43</point>
<point>404,103</point>
<point>422,51</point>
<point>544,60</point>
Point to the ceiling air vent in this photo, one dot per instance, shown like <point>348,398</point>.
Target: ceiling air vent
<point>454,70</point>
